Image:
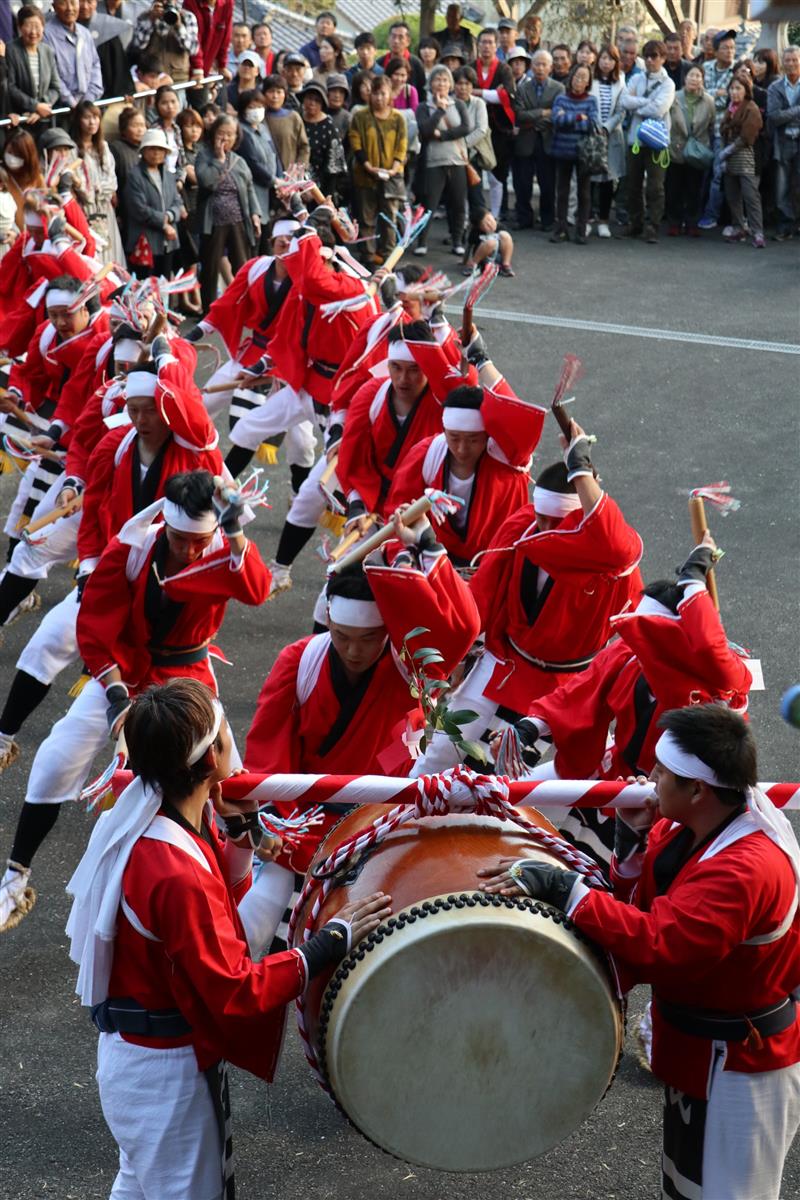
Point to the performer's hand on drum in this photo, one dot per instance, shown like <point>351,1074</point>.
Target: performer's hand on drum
<point>499,880</point>
<point>364,916</point>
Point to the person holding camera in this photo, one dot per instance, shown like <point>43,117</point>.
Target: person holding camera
<point>169,34</point>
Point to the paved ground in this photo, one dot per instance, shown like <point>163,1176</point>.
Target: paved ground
<point>670,415</point>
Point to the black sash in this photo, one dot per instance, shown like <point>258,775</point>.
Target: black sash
<point>531,598</point>
<point>402,430</point>
<point>160,612</point>
<point>644,706</point>
<point>273,295</point>
<point>349,696</point>
<point>677,852</point>
<point>461,530</point>
<point>144,489</point>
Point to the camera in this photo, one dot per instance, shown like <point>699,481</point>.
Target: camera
<point>171,14</point>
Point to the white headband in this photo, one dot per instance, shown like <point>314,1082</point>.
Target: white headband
<point>127,350</point>
<point>362,614</point>
<point>554,504</point>
<point>57,298</point>
<point>463,420</point>
<point>688,766</point>
<point>177,518</point>
<point>34,218</point>
<point>399,352</point>
<point>208,739</point>
<point>285,228</point>
<point>141,383</point>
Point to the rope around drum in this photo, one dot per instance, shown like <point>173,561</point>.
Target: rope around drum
<point>458,790</point>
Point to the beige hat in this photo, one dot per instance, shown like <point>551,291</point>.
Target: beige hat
<point>154,138</point>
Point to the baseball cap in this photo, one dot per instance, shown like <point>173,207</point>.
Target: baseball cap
<point>724,35</point>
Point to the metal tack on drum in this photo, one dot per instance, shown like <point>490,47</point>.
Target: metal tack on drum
<point>468,1033</point>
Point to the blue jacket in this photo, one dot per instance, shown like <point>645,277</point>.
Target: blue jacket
<point>572,119</point>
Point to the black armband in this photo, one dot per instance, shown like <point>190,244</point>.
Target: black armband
<point>244,825</point>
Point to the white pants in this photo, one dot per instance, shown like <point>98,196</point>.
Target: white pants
<point>226,373</point>
<point>159,1109</point>
<point>279,413</point>
<point>54,645</point>
<point>751,1121</point>
<point>264,904</point>
<point>308,505</point>
<point>59,546</point>
<point>64,759</point>
<point>11,527</point>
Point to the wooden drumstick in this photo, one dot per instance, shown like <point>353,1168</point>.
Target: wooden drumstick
<point>350,540</point>
<point>14,410</point>
<point>329,472</point>
<point>54,455</point>
<point>697,516</point>
<point>63,510</point>
<point>415,510</point>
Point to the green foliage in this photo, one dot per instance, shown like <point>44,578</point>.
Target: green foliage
<point>409,14</point>
<point>432,696</point>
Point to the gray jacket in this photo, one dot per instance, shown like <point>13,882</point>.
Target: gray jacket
<point>530,122</point>
<point>209,172</point>
<point>702,123</point>
<point>21,98</point>
<point>648,95</point>
<point>783,122</point>
<point>146,207</point>
<point>617,159</point>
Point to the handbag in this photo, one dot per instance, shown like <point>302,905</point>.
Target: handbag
<point>593,152</point>
<point>696,155</point>
<point>653,133</point>
<point>483,155</point>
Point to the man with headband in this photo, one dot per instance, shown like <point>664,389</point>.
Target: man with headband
<point>713,926</point>
<point>73,314</point>
<point>546,589</point>
<point>149,612</point>
<point>339,702</point>
<point>483,457</point>
<point>164,432</point>
<point>670,651</point>
<point>164,965</point>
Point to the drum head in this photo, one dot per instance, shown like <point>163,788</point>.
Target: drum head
<point>472,1036</point>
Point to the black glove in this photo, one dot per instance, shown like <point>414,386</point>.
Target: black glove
<point>333,435</point>
<point>528,734</point>
<point>260,366</point>
<point>545,882</point>
<point>697,566</point>
<point>66,182</point>
<point>476,351</point>
<point>244,826</point>
<point>80,584</point>
<point>355,509</point>
<point>54,432</point>
<point>118,702</point>
<point>427,541</point>
<point>579,459</point>
<point>297,205</point>
<point>389,291</point>
<point>194,335</point>
<point>320,218</point>
<point>437,316</point>
<point>327,947</point>
<point>160,348</point>
<point>56,227</point>
<point>230,519</point>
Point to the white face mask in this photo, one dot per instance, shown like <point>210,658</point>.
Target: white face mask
<point>255,115</point>
<point>12,162</point>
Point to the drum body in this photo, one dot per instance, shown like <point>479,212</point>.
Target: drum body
<point>469,1033</point>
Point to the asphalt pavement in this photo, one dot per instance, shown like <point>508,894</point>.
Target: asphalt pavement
<point>691,365</point>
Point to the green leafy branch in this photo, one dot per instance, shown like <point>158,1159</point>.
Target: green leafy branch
<point>431,692</point>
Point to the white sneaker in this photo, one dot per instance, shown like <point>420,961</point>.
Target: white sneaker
<point>16,897</point>
<point>281,579</point>
<point>30,604</point>
<point>9,750</point>
<point>603,230</point>
<point>420,250</point>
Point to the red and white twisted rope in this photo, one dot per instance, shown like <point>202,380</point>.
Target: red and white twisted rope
<point>489,796</point>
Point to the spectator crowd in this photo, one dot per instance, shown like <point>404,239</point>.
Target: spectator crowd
<point>501,131</point>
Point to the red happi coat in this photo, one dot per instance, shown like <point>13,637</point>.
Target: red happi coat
<point>49,362</point>
<point>24,265</point>
<point>306,346</point>
<point>659,661</point>
<point>688,944</point>
<point>199,961</point>
<point>106,396</point>
<point>500,483</point>
<point>299,706</point>
<point>590,565</point>
<point>25,309</point>
<point>113,626</point>
<point>249,303</point>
